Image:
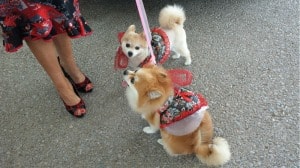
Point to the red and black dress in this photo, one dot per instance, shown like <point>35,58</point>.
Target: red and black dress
<point>39,19</point>
<point>183,112</point>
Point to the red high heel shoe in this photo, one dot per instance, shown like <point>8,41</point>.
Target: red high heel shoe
<point>84,87</point>
<point>79,106</point>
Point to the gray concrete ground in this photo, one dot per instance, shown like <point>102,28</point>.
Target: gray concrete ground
<point>245,61</point>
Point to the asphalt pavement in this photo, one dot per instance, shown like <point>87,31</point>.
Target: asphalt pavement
<point>245,57</point>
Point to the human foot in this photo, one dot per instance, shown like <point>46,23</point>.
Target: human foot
<point>80,81</point>
<point>74,104</point>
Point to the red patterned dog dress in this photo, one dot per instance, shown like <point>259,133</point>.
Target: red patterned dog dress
<point>183,112</point>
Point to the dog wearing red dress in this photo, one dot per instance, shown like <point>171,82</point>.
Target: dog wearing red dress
<point>181,115</point>
<point>171,20</point>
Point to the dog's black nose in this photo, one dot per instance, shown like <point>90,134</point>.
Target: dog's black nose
<point>130,54</point>
<point>125,72</point>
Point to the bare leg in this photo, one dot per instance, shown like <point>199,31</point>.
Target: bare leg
<point>63,46</point>
<point>45,53</point>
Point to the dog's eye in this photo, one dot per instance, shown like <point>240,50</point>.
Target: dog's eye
<point>127,45</point>
<point>132,80</point>
<point>137,48</point>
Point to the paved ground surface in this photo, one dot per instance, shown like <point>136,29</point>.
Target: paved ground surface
<point>245,61</point>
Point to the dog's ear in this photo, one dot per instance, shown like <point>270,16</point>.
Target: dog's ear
<point>143,35</point>
<point>154,94</point>
<point>162,76</point>
<point>131,28</point>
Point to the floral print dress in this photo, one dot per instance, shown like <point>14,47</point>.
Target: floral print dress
<point>183,112</point>
<point>39,19</point>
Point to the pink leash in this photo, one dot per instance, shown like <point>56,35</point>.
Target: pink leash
<point>146,28</point>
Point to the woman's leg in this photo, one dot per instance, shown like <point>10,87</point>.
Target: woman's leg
<point>63,46</point>
<point>45,53</point>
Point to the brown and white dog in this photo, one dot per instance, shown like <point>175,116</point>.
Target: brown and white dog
<point>180,115</point>
<point>171,19</point>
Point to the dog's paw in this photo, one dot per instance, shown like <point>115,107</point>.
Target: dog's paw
<point>149,130</point>
<point>176,56</point>
<point>160,141</point>
<point>143,116</point>
<point>188,62</point>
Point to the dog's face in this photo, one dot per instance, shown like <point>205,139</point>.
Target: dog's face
<point>148,88</point>
<point>133,44</point>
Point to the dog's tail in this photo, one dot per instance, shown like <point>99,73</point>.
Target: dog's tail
<point>171,16</point>
<point>215,154</point>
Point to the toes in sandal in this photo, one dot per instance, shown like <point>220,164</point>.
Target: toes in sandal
<point>85,86</point>
<point>75,108</point>
<point>79,107</point>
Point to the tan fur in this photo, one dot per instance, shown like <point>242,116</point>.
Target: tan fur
<point>196,142</point>
<point>154,79</point>
<point>138,39</point>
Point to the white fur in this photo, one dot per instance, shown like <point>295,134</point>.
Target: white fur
<point>131,94</point>
<point>150,130</point>
<point>137,56</point>
<point>132,97</point>
<point>160,141</point>
<point>220,153</point>
<point>171,19</point>
<point>154,94</point>
<point>135,53</point>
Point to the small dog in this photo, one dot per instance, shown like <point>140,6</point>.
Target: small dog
<point>171,19</point>
<point>180,115</point>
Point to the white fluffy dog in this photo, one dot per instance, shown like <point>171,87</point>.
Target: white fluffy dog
<point>171,20</point>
